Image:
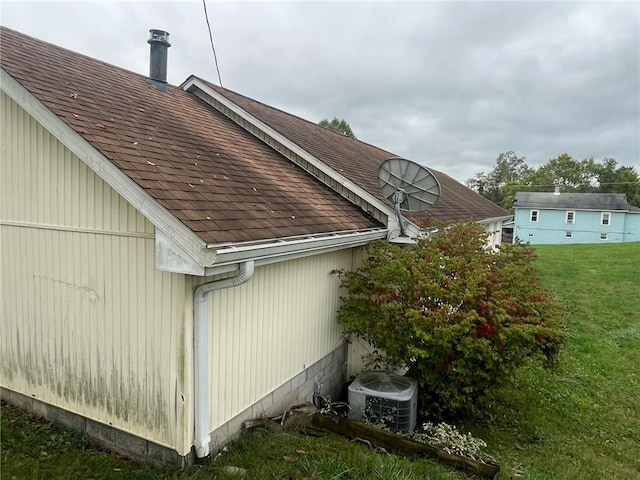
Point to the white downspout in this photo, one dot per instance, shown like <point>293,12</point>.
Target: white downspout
<point>201,352</point>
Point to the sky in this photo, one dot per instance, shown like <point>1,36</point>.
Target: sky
<point>449,85</point>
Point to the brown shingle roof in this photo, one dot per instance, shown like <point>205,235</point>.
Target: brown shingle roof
<point>359,162</point>
<point>216,178</point>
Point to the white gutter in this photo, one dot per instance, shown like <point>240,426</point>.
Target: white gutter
<point>201,353</point>
<point>227,256</point>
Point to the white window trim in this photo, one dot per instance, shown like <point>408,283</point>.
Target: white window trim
<point>568,234</point>
<point>602,215</point>
<point>572,214</point>
<point>537,215</point>
<point>604,236</point>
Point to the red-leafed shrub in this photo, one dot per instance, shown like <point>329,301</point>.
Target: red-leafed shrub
<point>460,317</point>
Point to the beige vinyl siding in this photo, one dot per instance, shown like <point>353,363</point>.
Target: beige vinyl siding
<point>88,323</point>
<point>358,354</point>
<point>270,329</point>
<point>357,348</point>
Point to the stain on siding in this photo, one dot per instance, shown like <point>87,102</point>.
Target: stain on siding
<point>82,388</point>
<point>91,294</point>
<point>58,351</point>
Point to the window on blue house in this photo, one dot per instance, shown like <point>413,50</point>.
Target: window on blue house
<point>568,234</point>
<point>571,217</point>
<point>603,236</point>
<point>534,216</point>
<point>605,218</point>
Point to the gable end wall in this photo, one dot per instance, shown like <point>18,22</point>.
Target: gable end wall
<point>88,324</point>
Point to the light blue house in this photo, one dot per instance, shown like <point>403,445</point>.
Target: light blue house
<point>553,218</point>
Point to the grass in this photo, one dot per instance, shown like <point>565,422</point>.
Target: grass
<point>583,419</point>
<point>35,449</point>
<point>578,421</point>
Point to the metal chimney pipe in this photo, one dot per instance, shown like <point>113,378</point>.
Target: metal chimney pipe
<point>159,41</point>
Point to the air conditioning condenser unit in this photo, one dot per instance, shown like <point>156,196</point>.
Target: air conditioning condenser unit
<point>384,398</point>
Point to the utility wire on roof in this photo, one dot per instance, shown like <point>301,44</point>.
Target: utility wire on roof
<point>215,58</point>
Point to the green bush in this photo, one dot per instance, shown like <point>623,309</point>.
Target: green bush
<point>459,316</point>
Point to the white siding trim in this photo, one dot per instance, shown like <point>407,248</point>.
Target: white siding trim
<point>76,229</point>
<point>194,83</point>
<point>100,164</point>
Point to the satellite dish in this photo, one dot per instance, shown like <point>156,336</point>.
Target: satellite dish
<point>408,186</point>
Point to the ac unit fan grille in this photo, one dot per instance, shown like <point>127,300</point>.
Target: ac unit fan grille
<point>382,398</point>
<point>393,414</point>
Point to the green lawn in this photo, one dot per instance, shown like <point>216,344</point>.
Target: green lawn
<point>579,421</point>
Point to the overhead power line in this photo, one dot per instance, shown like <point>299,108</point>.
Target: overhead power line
<point>577,184</point>
<point>215,57</point>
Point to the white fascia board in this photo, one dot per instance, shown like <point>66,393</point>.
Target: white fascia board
<point>182,238</point>
<point>504,218</point>
<point>192,84</point>
<point>228,257</point>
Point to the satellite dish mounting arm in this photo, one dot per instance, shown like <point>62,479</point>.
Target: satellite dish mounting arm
<point>398,197</point>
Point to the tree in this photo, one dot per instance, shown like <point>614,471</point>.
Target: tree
<point>511,174</point>
<point>612,178</point>
<point>586,175</point>
<point>564,171</point>
<point>509,169</point>
<point>337,125</point>
<point>461,318</point>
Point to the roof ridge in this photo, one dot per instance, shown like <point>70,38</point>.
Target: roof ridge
<point>221,90</point>
<point>357,160</point>
<point>71,52</point>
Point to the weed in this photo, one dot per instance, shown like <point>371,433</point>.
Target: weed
<point>448,438</point>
